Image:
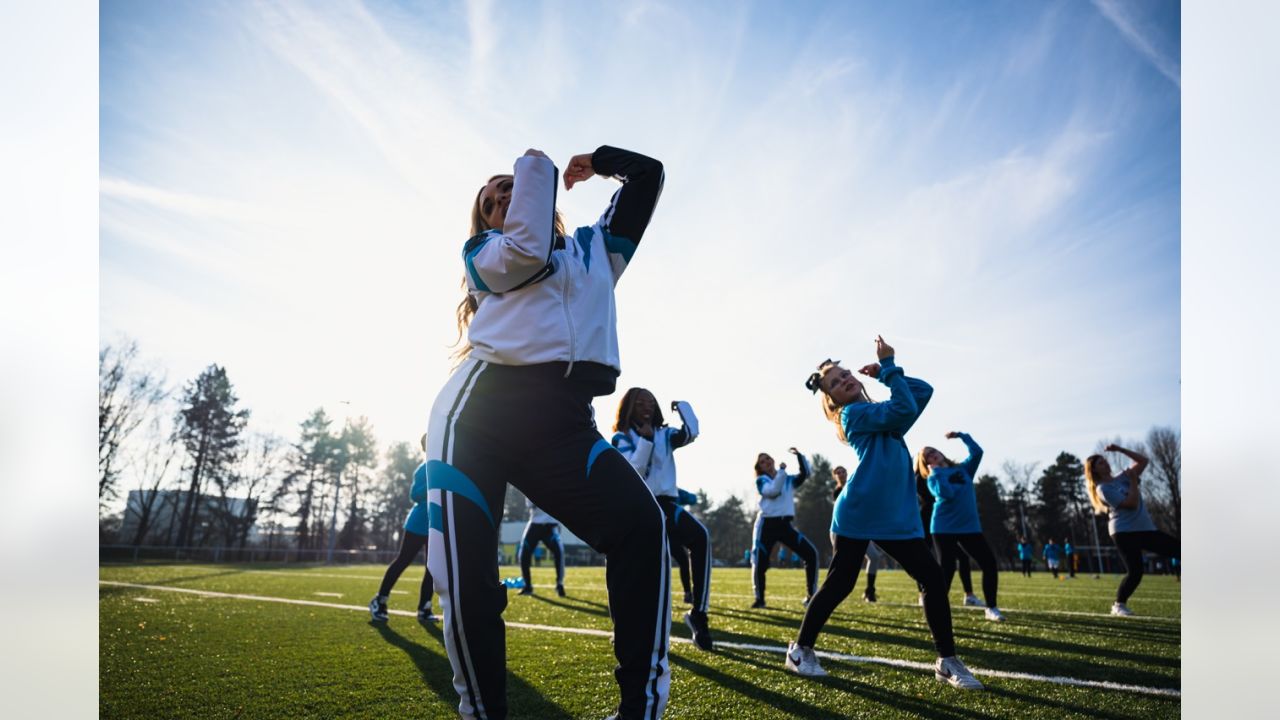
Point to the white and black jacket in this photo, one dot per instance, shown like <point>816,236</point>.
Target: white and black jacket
<point>777,493</point>
<point>543,298</point>
<point>655,459</point>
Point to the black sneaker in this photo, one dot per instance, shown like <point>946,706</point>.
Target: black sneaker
<point>378,609</point>
<point>526,590</point>
<point>697,623</point>
<point>759,603</point>
<point>560,590</point>
<point>688,598</point>
<point>869,596</point>
<point>425,615</point>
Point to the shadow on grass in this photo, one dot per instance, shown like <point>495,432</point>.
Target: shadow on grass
<point>522,699</point>
<point>773,699</point>
<point>576,604</point>
<point>181,578</point>
<point>1049,702</point>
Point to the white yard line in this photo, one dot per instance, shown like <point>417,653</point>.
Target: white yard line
<point>327,594</point>
<point>146,600</point>
<point>1056,680</point>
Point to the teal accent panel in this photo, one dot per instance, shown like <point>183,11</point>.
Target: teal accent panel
<point>596,449</point>
<point>443,476</point>
<point>618,244</point>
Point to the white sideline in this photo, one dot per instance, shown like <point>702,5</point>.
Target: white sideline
<point>910,664</point>
<point>714,595</point>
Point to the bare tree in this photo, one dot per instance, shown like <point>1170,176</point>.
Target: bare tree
<point>1019,476</point>
<point>1166,466</point>
<point>152,465</point>
<point>126,395</point>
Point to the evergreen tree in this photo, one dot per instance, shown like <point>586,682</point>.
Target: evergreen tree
<point>356,453</point>
<point>208,426</point>
<point>514,507</point>
<point>814,505</point>
<point>307,471</point>
<point>391,501</point>
<point>1056,497</point>
<point>730,526</point>
<point>994,515</point>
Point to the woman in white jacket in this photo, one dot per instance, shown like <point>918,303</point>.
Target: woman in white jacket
<point>649,444</point>
<point>773,523</point>
<point>540,318</point>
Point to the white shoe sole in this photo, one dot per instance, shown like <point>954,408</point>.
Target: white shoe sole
<point>957,685</point>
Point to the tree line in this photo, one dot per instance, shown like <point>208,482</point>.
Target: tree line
<point>203,476</point>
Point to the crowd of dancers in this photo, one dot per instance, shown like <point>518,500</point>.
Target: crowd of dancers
<point>538,316</point>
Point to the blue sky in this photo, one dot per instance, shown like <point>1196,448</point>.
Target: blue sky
<point>994,188</point>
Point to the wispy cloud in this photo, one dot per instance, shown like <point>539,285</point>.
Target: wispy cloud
<point>1141,42</point>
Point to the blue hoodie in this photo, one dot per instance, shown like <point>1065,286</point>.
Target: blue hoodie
<point>417,521</point>
<point>879,501</point>
<point>956,509</point>
<point>1024,551</point>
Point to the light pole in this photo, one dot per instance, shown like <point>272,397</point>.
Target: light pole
<point>337,492</point>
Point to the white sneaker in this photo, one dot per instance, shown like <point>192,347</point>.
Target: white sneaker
<point>973,601</point>
<point>803,661</point>
<point>994,615</point>
<point>953,672</point>
<point>1121,609</point>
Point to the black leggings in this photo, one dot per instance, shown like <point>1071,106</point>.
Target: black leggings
<point>410,544</point>
<point>1131,545</point>
<point>966,573</point>
<point>949,547</point>
<point>914,557</point>
<point>548,534</point>
<point>1026,568</point>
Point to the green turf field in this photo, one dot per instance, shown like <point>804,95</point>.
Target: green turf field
<point>166,654</point>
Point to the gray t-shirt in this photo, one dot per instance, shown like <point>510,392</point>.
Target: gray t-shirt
<point>1123,519</point>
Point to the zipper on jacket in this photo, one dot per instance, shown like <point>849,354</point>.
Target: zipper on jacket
<point>568,316</point>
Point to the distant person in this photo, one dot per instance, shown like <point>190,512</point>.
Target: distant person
<point>1131,527</point>
<point>874,557</point>
<point>1069,558</point>
<point>540,321</point>
<point>773,524</point>
<point>643,437</point>
<point>878,503</point>
<point>541,528</point>
<point>1051,554</point>
<point>955,525</point>
<point>1025,555</point>
<point>414,538</point>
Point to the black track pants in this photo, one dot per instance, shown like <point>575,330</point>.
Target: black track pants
<point>548,534</point>
<point>771,530</point>
<point>493,422</point>
<point>685,533</point>
<point>975,545</point>
<point>913,556</point>
<point>410,544</point>
<point>1131,545</point>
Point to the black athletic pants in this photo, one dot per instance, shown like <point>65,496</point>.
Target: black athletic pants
<point>771,530</point>
<point>410,544</point>
<point>684,532</point>
<point>966,573</point>
<point>681,556</point>
<point>1131,545</point>
<point>950,547</point>
<point>914,557</point>
<point>531,424</point>
<point>548,534</point>
<point>1026,568</point>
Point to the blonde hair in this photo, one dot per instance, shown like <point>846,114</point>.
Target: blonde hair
<point>467,307</point>
<point>922,468</point>
<point>1091,481</point>
<point>830,409</point>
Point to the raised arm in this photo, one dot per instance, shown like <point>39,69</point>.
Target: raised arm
<point>509,258</point>
<point>623,223</point>
<point>896,413</point>
<point>975,453</point>
<point>798,480</point>
<point>688,431</point>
